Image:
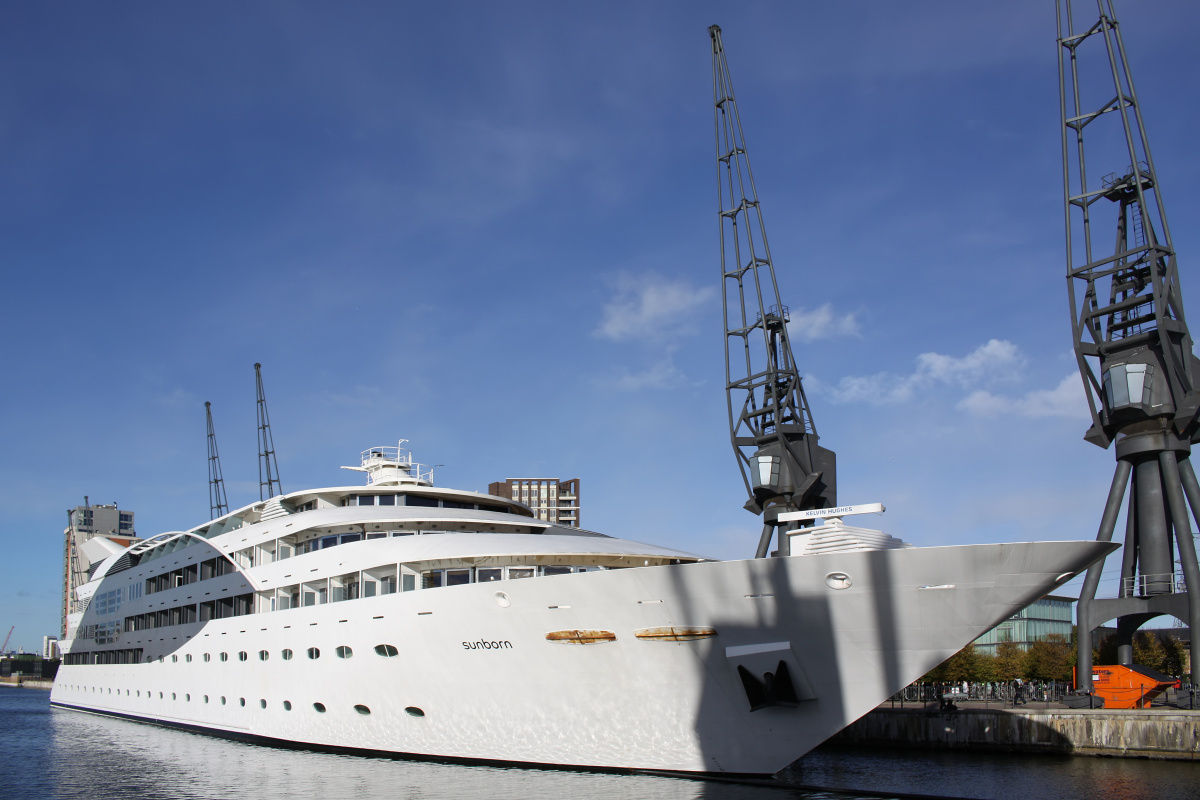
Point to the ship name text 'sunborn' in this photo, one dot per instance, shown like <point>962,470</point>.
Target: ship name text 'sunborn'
<point>482,645</point>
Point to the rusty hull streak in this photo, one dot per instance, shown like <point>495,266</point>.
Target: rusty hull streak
<point>674,634</point>
<point>581,637</point>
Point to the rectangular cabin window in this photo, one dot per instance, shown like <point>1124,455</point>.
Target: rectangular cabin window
<point>458,577</point>
<point>520,572</point>
<point>410,583</point>
<point>556,570</point>
<point>425,502</point>
<point>387,499</point>
<point>328,541</point>
<point>376,535</point>
<point>366,499</point>
<point>284,551</point>
<point>456,504</point>
<point>431,580</point>
<point>310,598</point>
<point>351,537</point>
<point>490,574</point>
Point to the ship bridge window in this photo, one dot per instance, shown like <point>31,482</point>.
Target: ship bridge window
<point>457,504</point>
<point>366,499</point>
<point>418,500</point>
<point>387,499</point>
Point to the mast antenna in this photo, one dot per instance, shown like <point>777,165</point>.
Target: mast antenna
<point>770,423</point>
<point>268,468</point>
<point>218,505</point>
<point>1131,339</point>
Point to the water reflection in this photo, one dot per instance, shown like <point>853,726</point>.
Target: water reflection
<point>68,755</point>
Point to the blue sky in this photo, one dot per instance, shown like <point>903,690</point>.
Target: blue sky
<point>490,228</point>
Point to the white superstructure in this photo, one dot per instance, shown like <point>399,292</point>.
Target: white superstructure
<point>403,618</point>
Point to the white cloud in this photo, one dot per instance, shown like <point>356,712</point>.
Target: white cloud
<point>821,323</point>
<point>650,307</point>
<point>993,362</point>
<point>1065,400</point>
<point>663,375</point>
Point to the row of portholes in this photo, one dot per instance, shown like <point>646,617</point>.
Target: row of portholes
<point>365,711</point>
<point>343,651</point>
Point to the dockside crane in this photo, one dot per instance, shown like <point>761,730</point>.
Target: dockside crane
<point>771,426</point>
<point>1131,338</point>
<point>268,468</point>
<point>4,647</point>
<point>218,505</point>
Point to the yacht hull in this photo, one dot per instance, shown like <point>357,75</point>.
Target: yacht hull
<point>475,676</point>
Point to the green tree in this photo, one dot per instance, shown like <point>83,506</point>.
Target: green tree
<point>1049,659</point>
<point>1009,663</point>
<point>1105,650</point>
<point>985,667</point>
<point>962,665</point>
<point>1148,650</point>
<point>1176,656</point>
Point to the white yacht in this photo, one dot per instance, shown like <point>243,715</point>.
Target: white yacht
<point>404,619</point>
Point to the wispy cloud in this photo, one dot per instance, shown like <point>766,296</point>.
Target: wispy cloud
<point>651,308</point>
<point>1065,400</point>
<point>660,375</point>
<point>822,323</point>
<point>996,361</point>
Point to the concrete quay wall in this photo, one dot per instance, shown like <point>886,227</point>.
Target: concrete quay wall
<point>1153,733</point>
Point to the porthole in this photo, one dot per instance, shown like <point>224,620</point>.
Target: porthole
<point>263,655</point>
<point>243,655</point>
<point>386,650</point>
<point>224,656</point>
<point>222,699</point>
<point>287,655</point>
<point>207,657</point>
<point>160,697</point>
<point>319,707</point>
<point>206,698</point>
<point>344,652</point>
<point>413,711</point>
<point>314,652</point>
<point>174,659</point>
<point>287,705</point>
<point>242,702</point>
<point>366,712</point>
<point>188,658</point>
<point>187,697</point>
<point>139,692</point>
<point>172,695</point>
<point>262,703</point>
